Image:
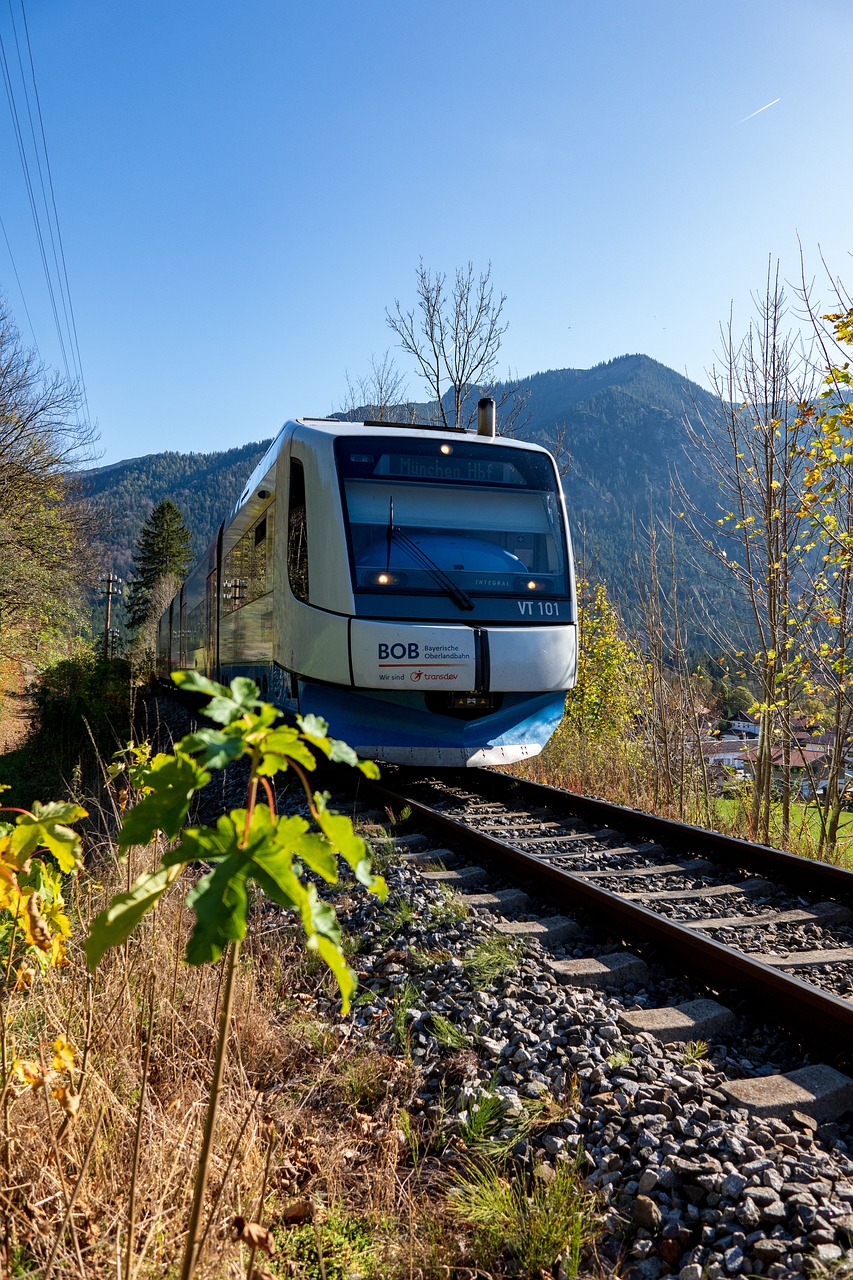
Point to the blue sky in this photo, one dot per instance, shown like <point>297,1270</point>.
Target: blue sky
<point>243,189</point>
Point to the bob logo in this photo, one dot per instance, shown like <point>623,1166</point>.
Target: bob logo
<point>398,651</point>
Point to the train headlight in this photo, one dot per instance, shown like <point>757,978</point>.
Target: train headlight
<point>446,449</point>
<point>383,578</point>
<point>531,586</point>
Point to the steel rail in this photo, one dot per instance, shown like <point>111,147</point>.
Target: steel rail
<point>804,872</point>
<point>816,1016</point>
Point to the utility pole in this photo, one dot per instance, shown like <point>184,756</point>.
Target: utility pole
<point>112,585</point>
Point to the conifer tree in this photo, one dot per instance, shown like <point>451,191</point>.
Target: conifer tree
<point>164,550</point>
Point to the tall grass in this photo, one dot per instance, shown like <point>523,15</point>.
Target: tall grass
<point>312,1127</point>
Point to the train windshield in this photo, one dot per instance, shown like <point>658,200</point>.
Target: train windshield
<point>458,518</point>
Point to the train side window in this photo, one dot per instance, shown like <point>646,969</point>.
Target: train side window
<point>297,538</point>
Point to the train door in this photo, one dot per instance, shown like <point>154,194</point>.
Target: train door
<point>182,632</point>
<point>211,620</point>
<point>169,644</point>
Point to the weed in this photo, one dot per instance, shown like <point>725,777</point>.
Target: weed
<point>383,851</point>
<point>485,1119</point>
<point>405,999</point>
<point>491,958</point>
<point>447,1034</point>
<point>694,1051</point>
<point>397,915</point>
<point>405,814</point>
<point>420,959</point>
<point>348,1245</point>
<point>365,1080</point>
<point>527,1226</point>
<point>350,943</point>
<point>622,1058</point>
<point>316,1035</point>
<point>840,1269</point>
<point>448,909</point>
<point>408,1131</point>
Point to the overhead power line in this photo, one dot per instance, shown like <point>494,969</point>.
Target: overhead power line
<point>23,98</point>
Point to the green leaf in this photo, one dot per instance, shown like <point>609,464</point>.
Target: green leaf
<point>281,745</point>
<point>276,865</point>
<point>173,780</point>
<point>313,726</point>
<point>213,748</point>
<point>195,682</point>
<point>123,914</point>
<point>316,852</point>
<point>336,961</point>
<point>272,888</point>
<point>220,902</point>
<point>45,828</point>
<point>315,729</point>
<point>338,830</point>
<point>57,811</point>
<point>319,916</point>
<point>244,690</point>
<point>204,844</point>
<point>226,705</point>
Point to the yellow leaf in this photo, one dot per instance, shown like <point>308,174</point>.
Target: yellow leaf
<point>29,1073</point>
<point>35,926</point>
<point>64,1053</point>
<point>70,1102</point>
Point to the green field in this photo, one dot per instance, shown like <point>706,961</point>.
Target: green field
<point>805,827</point>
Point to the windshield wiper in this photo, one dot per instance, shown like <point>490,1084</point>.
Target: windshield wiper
<point>457,595</point>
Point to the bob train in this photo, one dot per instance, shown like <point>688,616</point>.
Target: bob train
<point>412,585</point>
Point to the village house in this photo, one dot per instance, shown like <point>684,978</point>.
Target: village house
<point>808,768</point>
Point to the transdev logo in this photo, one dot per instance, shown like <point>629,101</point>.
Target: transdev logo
<point>431,677</point>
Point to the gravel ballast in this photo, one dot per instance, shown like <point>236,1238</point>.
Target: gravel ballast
<point>689,1184</point>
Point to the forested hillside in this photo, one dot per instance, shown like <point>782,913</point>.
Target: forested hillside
<point>202,485</point>
<point>620,424</point>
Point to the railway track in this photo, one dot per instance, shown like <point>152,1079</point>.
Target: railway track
<point>738,917</point>
<point>729,1157</point>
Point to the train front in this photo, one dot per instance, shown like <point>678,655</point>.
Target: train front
<point>463,638</point>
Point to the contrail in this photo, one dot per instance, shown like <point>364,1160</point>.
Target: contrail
<point>760,109</point>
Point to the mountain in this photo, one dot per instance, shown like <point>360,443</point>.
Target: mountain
<point>620,425</point>
<point>203,485</point>
<point>622,428</point>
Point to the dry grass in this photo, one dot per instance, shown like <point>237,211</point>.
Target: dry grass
<point>620,771</point>
<point>329,1102</point>
<point>317,1139</point>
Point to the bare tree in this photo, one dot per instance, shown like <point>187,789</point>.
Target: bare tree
<point>43,525</point>
<point>454,335</point>
<point>671,726</point>
<point>143,649</point>
<point>825,653</point>
<point>379,396</point>
<point>752,448</point>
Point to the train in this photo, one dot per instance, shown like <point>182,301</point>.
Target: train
<point>413,585</point>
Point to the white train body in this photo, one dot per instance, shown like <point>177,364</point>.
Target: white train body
<point>413,586</point>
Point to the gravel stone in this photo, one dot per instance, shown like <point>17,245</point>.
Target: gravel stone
<point>706,1187</point>
<point>646,1213</point>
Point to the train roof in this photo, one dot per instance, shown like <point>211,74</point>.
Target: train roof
<point>335,427</point>
<point>263,475</point>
